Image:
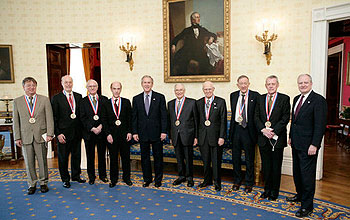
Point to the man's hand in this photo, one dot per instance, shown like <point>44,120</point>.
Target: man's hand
<point>128,137</point>
<point>61,138</point>
<point>162,136</point>
<point>173,49</point>
<point>49,138</point>
<point>19,143</point>
<point>136,137</point>
<point>221,141</point>
<point>110,139</point>
<point>268,132</point>
<point>312,150</point>
<point>195,142</point>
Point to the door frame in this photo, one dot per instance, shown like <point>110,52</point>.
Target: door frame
<point>319,54</point>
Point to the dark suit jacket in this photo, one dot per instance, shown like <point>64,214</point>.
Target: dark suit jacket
<point>149,127</point>
<point>188,118</point>
<point>218,119</point>
<point>109,118</point>
<point>71,128</point>
<point>310,124</point>
<point>252,100</point>
<point>279,119</point>
<point>87,114</point>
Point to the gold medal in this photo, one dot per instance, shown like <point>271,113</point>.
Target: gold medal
<point>32,120</point>
<point>240,119</point>
<point>268,124</point>
<point>73,116</point>
<point>96,117</point>
<point>207,123</point>
<point>177,123</point>
<point>118,122</point>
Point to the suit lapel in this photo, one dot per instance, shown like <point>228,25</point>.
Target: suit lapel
<point>37,107</point>
<point>305,105</point>
<point>234,102</point>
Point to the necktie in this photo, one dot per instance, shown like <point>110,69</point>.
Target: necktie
<point>270,103</point>
<point>244,122</point>
<point>94,100</point>
<point>147,104</point>
<point>299,106</point>
<point>207,105</point>
<point>31,102</point>
<point>178,107</point>
<point>70,100</point>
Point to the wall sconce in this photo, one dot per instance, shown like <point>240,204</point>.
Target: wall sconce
<point>266,40</point>
<point>128,46</point>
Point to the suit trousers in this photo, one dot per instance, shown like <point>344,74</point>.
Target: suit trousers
<point>72,147</point>
<point>211,155</point>
<point>304,175</point>
<point>184,158</point>
<point>122,146</point>
<point>30,151</point>
<point>157,149</point>
<point>241,140</point>
<point>101,155</point>
<point>271,166</point>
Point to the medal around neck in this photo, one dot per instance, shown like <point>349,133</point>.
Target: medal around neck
<point>268,124</point>
<point>118,122</point>
<point>32,120</point>
<point>177,123</point>
<point>96,117</point>
<point>207,123</point>
<point>73,116</point>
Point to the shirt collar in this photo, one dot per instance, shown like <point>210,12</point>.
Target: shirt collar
<point>306,95</point>
<point>149,94</point>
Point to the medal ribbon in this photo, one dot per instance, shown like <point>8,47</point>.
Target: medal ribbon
<point>94,108</point>
<point>117,113</point>
<point>268,114</point>
<point>31,109</point>
<point>207,111</point>
<point>72,105</point>
<point>245,98</point>
<point>178,113</point>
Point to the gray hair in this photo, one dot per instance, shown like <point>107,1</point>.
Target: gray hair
<point>272,77</point>
<point>305,74</point>
<point>146,76</point>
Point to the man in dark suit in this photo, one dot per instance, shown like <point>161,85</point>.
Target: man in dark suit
<point>192,57</point>
<point>66,110</point>
<point>182,113</point>
<point>309,118</point>
<point>212,126</point>
<point>117,126</point>
<point>90,116</point>
<point>271,117</point>
<point>149,126</point>
<point>243,133</point>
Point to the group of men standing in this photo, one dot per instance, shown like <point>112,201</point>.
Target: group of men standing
<point>256,119</point>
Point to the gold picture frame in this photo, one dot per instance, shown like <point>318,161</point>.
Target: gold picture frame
<point>6,64</point>
<point>183,65</point>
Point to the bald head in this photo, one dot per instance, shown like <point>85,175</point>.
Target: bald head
<point>116,89</point>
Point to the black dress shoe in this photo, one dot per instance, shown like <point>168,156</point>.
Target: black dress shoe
<point>217,187</point>
<point>248,189</point>
<point>265,195</point>
<point>273,197</point>
<point>111,185</point>
<point>293,199</point>
<point>178,181</point>
<point>44,188</point>
<point>158,184</point>
<point>104,179</point>
<point>303,213</point>
<point>79,180</point>
<point>31,190</point>
<point>66,184</point>
<point>128,182</point>
<point>91,182</point>
<point>204,184</point>
<point>235,187</point>
<point>190,183</point>
<point>146,184</point>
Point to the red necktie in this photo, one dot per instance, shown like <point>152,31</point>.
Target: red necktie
<point>70,100</point>
<point>299,106</point>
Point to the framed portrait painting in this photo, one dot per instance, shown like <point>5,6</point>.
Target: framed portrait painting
<point>6,64</point>
<point>196,40</point>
